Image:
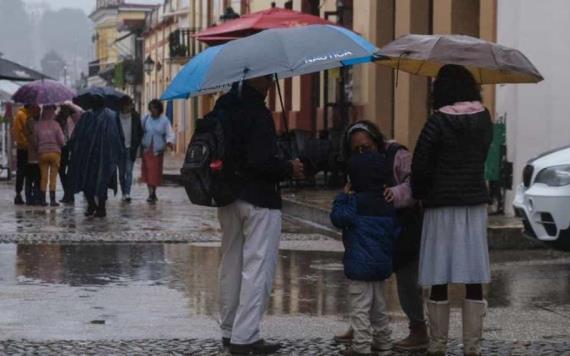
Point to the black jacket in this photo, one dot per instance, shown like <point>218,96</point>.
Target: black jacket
<point>254,148</point>
<point>449,160</point>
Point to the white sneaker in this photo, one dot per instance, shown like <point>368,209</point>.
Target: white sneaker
<point>127,198</point>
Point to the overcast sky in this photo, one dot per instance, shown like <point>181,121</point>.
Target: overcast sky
<point>85,5</point>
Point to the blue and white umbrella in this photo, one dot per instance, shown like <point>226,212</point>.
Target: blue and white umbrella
<point>284,52</point>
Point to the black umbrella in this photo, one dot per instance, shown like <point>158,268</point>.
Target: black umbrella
<point>13,71</point>
<point>112,97</point>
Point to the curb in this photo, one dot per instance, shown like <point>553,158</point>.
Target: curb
<point>499,237</point>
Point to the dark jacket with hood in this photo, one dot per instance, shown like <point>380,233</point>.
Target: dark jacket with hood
<point>369,223</point>
<point>253,148</point>
<point>449,160</point>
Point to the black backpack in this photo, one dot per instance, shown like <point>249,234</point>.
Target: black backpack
<point>209,170</point>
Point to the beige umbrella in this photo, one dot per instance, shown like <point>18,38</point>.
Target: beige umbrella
<point>489,62</point>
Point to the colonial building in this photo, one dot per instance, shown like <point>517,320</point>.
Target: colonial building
<point>118,51</point>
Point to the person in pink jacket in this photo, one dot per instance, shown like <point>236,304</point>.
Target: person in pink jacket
<point>49,140</point>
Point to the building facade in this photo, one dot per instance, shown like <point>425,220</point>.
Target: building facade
<point>118,46</point>
<point>536,115</point>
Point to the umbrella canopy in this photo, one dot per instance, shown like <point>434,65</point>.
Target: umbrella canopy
<point>489,62</point>
<point>112,97</point>
<point>13,71</point>
<point>286,52</point>
<point>258,21</point>
<point>43,92</point>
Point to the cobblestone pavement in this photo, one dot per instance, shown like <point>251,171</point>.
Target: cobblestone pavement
<point>210,347</point>
<point>54,300</point>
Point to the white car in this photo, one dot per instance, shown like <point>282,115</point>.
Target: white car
<point>543,199</point>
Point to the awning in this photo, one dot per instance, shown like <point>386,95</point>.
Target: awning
<point>13,71</point>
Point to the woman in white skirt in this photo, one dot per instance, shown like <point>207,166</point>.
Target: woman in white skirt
<point>448,177</point>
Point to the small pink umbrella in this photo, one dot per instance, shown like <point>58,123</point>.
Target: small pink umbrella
<point>43,92</point>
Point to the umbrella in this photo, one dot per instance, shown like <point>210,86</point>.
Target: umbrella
<point>13,71</point>
<point>489,62</point>
<point>43,92</point>
<point>258,21</point>
<point>284,52</point>
<point>112,97</point>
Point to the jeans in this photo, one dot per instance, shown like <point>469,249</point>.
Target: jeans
<point>126,174</point>
<point>410,293</point>
<point>21,169</point>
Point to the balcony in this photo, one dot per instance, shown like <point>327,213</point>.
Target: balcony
<point>94,68</point>
<point>180,42</point>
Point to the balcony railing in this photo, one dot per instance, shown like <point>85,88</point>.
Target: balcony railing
<point>180,44</point>
<point>94,68</point>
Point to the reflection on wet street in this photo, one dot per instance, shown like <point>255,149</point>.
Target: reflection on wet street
<point>307,282</point>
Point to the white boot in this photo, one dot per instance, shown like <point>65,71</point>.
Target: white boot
<point>438,314</point>
<point>473,313</point>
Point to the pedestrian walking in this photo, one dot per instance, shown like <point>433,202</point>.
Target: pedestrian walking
<point>251,225</point>
<point>20,137</point>
<point>48,140</point>
<point>96,152</point>
<point>158,136</point>
<point>370,228</point>
<point>33,177</point>
<point>407,246</point>
<point>67,117</point>
<point>448,177</point>
<point>132,133</point>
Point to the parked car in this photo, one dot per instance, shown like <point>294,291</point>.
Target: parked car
<point>543,199</point>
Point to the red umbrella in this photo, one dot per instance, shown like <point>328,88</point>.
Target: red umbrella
<point>258,21</point>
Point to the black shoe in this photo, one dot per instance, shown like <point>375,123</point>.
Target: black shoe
<point>90,211</point>
<point>100,213</point>
<point>52,201</point>
<point>43,201</point>
<point>226,341</point>
<point>18,200</point>
<point>257,348</point>
<point>67,199</point>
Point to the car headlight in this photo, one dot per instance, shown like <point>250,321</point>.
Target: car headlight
<point>556,176</point>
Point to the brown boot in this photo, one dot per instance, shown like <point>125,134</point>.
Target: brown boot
<point>417,340</point>
<point>344,338</point>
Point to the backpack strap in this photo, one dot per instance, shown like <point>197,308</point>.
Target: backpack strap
<point>391,152</point>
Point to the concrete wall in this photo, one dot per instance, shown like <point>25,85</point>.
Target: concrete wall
<point>537,115</point>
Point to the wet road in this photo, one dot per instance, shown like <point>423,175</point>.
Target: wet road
<point>94,291</point>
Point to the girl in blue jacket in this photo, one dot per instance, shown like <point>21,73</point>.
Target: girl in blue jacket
<point>369,229</point>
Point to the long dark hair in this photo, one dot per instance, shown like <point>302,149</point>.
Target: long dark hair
<point>454,84</point>
<point>362,126</point>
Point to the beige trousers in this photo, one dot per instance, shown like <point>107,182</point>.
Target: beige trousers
<point>250,246</point>
<point>368,316</point>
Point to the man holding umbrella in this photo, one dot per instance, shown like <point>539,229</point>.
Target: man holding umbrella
<point>251,226</point>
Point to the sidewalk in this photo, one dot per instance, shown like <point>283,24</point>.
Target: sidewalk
<point>314,205</point>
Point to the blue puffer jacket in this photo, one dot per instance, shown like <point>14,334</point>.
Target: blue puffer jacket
<point>368,240</point>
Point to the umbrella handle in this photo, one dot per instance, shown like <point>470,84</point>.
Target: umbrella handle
<point>405,53</point>
<point>283,117</point>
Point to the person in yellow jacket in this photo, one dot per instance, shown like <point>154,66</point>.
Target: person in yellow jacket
<point>20,137</point>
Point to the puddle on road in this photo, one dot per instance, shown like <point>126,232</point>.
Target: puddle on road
<point>307,282</point>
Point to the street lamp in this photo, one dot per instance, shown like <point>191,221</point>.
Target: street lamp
<point>148,65</point>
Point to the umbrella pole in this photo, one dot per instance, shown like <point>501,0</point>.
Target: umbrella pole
<point>283,114</point>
